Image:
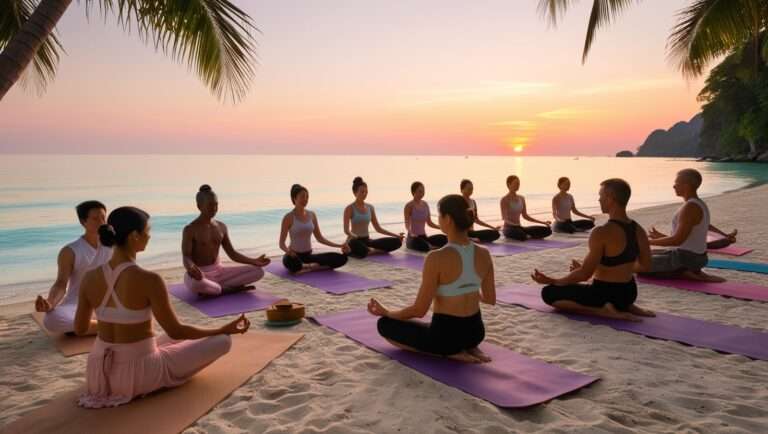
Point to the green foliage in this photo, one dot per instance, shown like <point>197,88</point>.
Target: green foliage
<point>735,104</point>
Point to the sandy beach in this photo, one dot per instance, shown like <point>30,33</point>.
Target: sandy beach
<point>328,383</point>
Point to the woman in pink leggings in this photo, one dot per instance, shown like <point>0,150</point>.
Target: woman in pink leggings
<point>127,360</point>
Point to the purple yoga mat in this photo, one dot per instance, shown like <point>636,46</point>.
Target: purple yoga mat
<point>410,261</point>
<point>719,337</point>
<point>228,304</point>
<point>548,244</point>
<point>506,249</point>
<point>509,380</point>
<point>745,291</point>
<point>331,281</point>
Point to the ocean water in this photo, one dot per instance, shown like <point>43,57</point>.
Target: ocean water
<point>38,194</point>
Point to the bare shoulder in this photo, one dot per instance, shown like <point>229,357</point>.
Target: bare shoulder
<point>482,252</point>
<point>147,279</point>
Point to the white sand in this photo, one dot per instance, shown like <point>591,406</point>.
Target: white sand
<point>328,383</point>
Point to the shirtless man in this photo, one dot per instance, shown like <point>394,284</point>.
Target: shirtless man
<point>687,245</point>
<point>75,259</point>
<point>617,250</point>
<point>562,207</point>
<point>200,245</point>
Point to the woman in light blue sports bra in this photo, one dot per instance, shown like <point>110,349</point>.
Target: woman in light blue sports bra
<point>357,216</point>
<point>455,280</point>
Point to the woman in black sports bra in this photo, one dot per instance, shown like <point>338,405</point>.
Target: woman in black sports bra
<point>617,250</point>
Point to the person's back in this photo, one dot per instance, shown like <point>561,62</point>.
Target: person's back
<point>459,267</point>
<point>620,252</point>
<point>126,360</point>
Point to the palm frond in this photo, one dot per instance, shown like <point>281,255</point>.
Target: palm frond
<point>214,38</point>
<point>13,14</point>
<point>708,29</point>
<point>603,13</point>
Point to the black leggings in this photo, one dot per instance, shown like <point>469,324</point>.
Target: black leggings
<point>359,246</point>
<point>571,226</point>
<point>330,260</point>
<point>423,243</point>
<point>485,235</point>
<point>595,294</point>
<point>522,233</point>
<point>446,335</point>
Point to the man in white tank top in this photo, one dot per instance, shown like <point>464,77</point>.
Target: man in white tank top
<point>75,259</point>
<point>686,252</point>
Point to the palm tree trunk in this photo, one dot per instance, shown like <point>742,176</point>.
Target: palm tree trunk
<point>21,49</point>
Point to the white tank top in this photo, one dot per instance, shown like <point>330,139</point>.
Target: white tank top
<point>697,239</point>
<point>301,234</point>
<point>563,208</point>
<point>86,258</point>
<point>515,209</point>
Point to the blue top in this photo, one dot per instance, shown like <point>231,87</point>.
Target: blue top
<point>361,217</point>
<point>468,281</point>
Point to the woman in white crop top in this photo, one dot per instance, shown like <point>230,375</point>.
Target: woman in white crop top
<point>127,360</point>
<point>562,207</point>
<point>513,207</point>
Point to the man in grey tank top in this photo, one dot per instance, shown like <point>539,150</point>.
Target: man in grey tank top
<point>686,247</point>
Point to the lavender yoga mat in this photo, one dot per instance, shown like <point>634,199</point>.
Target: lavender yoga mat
<point>547,244</point>
<point>331,281</point>
<point>745,291</point>
<point>509,380</point>
<point>410,261</point>
<point>506,249</point>
<point>228,304</point>
<point>719,337</point>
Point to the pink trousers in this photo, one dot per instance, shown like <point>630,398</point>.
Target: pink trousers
<point>216,277</point>
<point>117,373</point>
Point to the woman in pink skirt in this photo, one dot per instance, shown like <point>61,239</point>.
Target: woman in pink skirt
<point>127,360</point>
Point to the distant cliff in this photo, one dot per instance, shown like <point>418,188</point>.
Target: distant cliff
<point>682,140</point>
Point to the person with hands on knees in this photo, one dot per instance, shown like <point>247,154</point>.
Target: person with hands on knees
<point>455,280</point>
<point>127,359</point>
<point>417,217</point>
<point>512,208</point>
<point>75,259</point>
<point>200,244</point>
<point>301,223</point>
<point>357,216</point>
<point>685,252</point>
<point>563,205</point>
<point>484,235</point>
<point>617,250</point>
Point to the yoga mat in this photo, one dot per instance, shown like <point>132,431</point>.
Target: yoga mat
<point>223,305</point>
<point>168,411</point>
<point>730,250</point>
<point>509,380</point>
<point>506,249</point>
<point>725,264</point>
<point>548,244</point>
<point>331,281</point>
<point>410,261</point>
<point>745,291</point>
<point>719,337</point>
<point>67,345</point>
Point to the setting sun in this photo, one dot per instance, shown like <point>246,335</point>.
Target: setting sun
<point>518,148</point>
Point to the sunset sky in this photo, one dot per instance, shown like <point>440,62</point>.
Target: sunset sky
<point>373,77</point>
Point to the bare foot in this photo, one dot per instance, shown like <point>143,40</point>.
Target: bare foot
<point>637,310</point>
<point>609,311</point>
<point>464,357</point>
<point>701,276</point>
<point>479,354</point>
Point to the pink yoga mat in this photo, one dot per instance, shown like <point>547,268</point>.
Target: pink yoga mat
<point>745,291</point>
<point>730,250</point>
<point>719,337</point>
<point>510,380</point>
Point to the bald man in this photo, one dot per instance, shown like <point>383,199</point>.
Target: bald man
<point>200,244</point>
<point>685,252</point>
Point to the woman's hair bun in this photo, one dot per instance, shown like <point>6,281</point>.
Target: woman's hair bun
<point>205,188</point>
<point>357,180</point>
<point>107,235</point>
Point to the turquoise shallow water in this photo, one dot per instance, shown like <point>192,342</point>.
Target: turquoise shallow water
<point>38,195</point>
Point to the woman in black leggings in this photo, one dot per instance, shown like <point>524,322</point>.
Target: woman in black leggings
<point>455,280</point>
<point>512,208</point>
<point>301,224</point>
<point>357,216</point>
<point>484,235</point>
<point>417,216</point>
<point>562,207</point>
